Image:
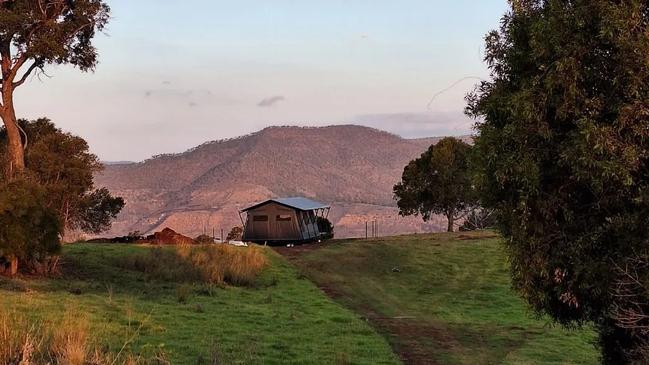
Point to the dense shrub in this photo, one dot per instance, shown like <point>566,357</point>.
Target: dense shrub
<point>326,228</point>
<point>30,230</point>
<point>214,264</point>
<point>204,239</point>
<point>236,234</point>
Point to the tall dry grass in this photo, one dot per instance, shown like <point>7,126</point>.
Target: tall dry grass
<point>20,340</point>
<point>212,264</point>
<point>220,264</point>
<point>25,341</point>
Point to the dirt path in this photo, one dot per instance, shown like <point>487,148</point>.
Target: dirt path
<point>405,335</point>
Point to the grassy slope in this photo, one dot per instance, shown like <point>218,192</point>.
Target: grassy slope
<point>452,297</point>
<point>285,320</point>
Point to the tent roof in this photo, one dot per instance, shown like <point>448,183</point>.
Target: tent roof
<point>298,203</point>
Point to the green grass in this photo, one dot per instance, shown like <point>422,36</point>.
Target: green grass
<point>284,319</point>
<point>445,298</point>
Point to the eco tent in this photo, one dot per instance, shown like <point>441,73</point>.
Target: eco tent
<point>283,220</point>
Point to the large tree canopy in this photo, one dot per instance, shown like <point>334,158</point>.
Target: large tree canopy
<point>438,182</point>
<point>64,166</point>
<point>563,144</point>
<point>33,34</point>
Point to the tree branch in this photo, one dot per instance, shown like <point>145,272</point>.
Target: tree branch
<point>13,70</point>
<point>40,6</point>
<point>31,69</point>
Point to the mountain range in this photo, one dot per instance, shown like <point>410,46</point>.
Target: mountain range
<point>353,168</point>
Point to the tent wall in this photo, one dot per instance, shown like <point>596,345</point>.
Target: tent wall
<point>273,222</point>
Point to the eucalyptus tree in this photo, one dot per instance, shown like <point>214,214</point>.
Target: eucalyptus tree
<point>438,182</point>
<point>564,152</point>
<point>37,33</point>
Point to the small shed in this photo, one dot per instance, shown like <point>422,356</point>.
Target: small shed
<point>283,220</point>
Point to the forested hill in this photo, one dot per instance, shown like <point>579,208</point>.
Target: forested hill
<point>351,167</point>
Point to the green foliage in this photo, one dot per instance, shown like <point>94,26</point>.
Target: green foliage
<point>204,239</point>
<point>564,145</point>
<point>235,234</point>
<point>52,31</point>
<point>30,230</point>
<point>438,182</point>
<point>95,211</point>
<point>63,164</point>
<point>325,227</point>
<point>36,33</point>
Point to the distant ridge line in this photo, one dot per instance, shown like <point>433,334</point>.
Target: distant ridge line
<point>252,134</point>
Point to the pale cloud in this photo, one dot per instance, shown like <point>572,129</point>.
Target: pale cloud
<point>419,124</point>
<point>270,101</point>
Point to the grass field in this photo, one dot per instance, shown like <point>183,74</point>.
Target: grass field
<point>283,319</point>
<point>441,298</point>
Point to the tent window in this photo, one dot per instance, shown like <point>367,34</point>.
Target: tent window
<point>260,218</point>
<point>283,218</point>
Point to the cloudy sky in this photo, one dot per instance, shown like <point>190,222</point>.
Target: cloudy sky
<point>173,76</point>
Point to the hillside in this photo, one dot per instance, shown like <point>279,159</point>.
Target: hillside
<point>351,167</point>
<point>441,299</point>
<point>177,322</point>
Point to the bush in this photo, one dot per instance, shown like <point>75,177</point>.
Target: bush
<point>236,234</point>
<point>326,228</point>
<point>214,264</point>
<point>132,237</point>
<point>31,230</point>
<point>204,239</point>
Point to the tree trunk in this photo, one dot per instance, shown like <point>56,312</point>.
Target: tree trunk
<point>451,221</point>
<point>13,269</point>
<point>16,161</point>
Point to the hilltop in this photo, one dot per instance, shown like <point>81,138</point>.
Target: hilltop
<point>351,167</point>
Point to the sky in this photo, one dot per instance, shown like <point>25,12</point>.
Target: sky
<point>171,76</point>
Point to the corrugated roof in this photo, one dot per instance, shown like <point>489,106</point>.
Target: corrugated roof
<point>296,203</point>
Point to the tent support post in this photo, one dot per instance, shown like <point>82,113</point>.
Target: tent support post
<point>300,221</point>
<point>314,220</point>
<point>243,224</point>
<point>308,223</point>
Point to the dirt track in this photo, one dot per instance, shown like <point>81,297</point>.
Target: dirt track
<point>409,331</point>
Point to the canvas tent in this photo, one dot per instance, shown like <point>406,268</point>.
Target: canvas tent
<point>283,220</point>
